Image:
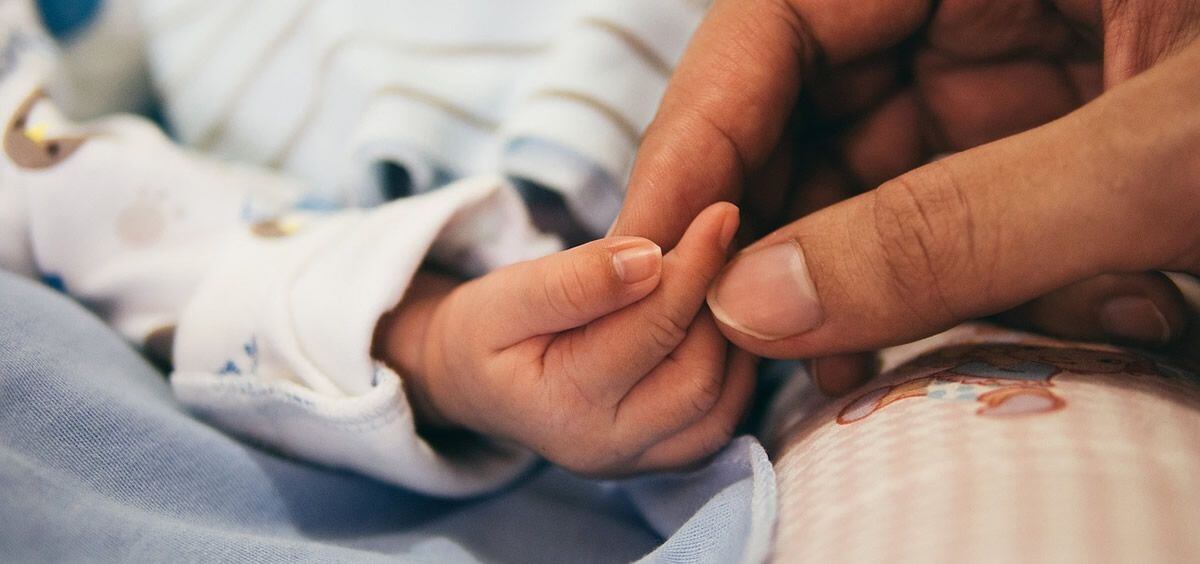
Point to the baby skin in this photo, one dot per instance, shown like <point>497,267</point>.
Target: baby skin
<point>598,358</point>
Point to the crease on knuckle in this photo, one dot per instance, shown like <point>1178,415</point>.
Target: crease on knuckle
<point>1148,32</point>
<point>728,143</point>
<point>804,39</point>
<point>567,292</point>
<point>706,390</point>
<point>929,239</point>
<point>665,331</point>
<point>563,359</point>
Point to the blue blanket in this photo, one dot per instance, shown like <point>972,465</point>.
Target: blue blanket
<point>97,462</point>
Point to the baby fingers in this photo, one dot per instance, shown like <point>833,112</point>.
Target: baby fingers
<point>607,357</point>
<point>671,423</point>
<point>711,432</point>
<point>566,289</point>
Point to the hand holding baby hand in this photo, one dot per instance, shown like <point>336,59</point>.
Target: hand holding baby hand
<point>589,357</point>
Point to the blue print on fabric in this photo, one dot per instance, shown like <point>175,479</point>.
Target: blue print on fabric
<point>251,348</point>
<point>232,367</point>
<point>66,18</point>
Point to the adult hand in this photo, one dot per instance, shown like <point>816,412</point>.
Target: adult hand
<point>1059,202</point>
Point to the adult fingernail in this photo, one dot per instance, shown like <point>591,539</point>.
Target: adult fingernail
<point>637,262</point>
<point>1135,318</point>
<point>767,293</point>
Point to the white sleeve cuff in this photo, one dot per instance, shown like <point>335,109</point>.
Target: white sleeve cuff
<point>275,345</point>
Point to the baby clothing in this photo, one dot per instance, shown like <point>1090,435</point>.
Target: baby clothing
<point>552,91</point>
<point>268,287</point>
<point>99,463</point>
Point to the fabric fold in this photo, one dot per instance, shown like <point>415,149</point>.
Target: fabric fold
<point>298,313</point>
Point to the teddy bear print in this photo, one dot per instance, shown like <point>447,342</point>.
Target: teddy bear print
<point>1004,379</point>
<point>27,140</point>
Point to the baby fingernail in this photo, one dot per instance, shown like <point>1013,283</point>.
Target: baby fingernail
<point>768,293</point>
<point>638,262</point>
<point>1135,318</point>
<point>729,229</point>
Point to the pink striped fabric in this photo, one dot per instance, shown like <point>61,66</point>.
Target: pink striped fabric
<point>1014,449</point>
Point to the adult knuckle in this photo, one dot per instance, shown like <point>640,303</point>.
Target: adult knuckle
<point>927,232</point>
<point>1148,31</point>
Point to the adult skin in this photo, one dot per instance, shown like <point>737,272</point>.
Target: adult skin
<point>1074,179</point>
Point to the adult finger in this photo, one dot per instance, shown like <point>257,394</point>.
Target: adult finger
<point>1143,309</point>
<point>729,100</point>
<point>836,375</point>
<point>1109,188</point>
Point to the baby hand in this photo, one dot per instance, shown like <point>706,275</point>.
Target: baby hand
<point>589,357</point>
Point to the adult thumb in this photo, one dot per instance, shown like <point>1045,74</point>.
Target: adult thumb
<point>1109,188</point>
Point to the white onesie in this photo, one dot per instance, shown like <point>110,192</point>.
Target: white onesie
<point>269,288</point>
<point>272,300</point>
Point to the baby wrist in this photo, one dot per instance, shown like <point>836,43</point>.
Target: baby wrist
<point>404,342</point>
